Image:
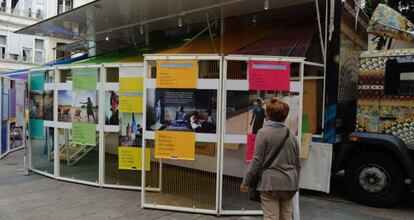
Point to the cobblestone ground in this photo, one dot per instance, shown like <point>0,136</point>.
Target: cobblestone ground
<point>38,197</point>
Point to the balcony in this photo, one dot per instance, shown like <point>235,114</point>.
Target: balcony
<point>18,58</point>
<point>38,15</point>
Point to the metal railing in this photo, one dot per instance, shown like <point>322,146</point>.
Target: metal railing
<point>18,58</point>
<point>40,15</point>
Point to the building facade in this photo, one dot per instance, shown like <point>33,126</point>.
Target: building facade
<point>24,51</point>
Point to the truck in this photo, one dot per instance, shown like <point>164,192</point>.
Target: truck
<point>378,154</point>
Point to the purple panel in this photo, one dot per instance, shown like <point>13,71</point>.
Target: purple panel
<point>13,103</point>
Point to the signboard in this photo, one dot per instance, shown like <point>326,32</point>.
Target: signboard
<point>269,75</point>
<point>37,81</point>
<point>85,79</point>
<point>130,102</point>
<point>130,98</point>
<point>176,145</point>
<point>36,128</point>
<point>83,133</point>
<point>177,74</point>
<point>130,158</point>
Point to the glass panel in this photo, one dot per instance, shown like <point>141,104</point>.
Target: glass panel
<point>189,184</point>
<point>42,152</point>
<point>50,76</point>
<point>112,75</point>
<point>2,40</point>
<point>38,44</point>
<point>234,168</point>
<point>80,162</point>
<point>39,57</point>
<point>113,174</point>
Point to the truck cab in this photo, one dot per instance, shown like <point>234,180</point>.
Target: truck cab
<point>378,156</point>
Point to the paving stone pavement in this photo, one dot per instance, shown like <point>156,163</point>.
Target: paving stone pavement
<point>40,198</point>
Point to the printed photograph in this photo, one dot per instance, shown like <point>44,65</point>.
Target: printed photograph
<point>78,106</point>
<point>36,105</point>
<point>48,105</point>
<point>16,136</point>
<point>245,110</point>
<point>111,108</point>
<point>182,110</point>
<point>131,129</point>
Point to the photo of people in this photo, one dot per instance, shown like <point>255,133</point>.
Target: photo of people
<point>246,110</point>
<point>41,105</point>
<point>111,108</point>
<point>78,106</point>
<point>182,110</point>
<point>16,136</point>
<point>36,105</point>
<point>131,129</point>
<point>48,105</point>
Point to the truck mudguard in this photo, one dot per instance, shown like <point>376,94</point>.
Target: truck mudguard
<point>388,142</point>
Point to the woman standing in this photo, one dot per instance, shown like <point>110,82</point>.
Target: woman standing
<point>280,181</point>
<point>89,109</point>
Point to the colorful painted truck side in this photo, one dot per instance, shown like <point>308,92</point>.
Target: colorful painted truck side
<point>378,157</point>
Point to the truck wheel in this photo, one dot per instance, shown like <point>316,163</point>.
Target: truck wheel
<point>374,179</point>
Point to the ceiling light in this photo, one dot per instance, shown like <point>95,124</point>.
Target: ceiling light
<point>266,4</point>
<point>107,38</point>
<point>180,22</point>
<point>141,29</point>
<point>254,19</point>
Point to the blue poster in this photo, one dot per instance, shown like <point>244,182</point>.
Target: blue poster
<point>4,139</point>
<point>36,128</point>
<point>37,81</point>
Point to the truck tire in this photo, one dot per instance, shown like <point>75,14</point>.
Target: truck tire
<point>374,179</point>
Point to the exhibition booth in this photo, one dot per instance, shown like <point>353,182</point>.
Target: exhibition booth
<point>178,121</point>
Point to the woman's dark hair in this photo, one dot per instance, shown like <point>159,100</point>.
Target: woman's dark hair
<point>277,110</point>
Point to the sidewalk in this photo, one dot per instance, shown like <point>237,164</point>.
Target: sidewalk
<point>38,197</point>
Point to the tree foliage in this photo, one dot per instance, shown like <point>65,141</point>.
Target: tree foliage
<point>405,7</point>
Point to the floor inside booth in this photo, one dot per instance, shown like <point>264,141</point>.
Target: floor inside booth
<point>39,157</point>
<point>86,169</point>
<point>190,188</point>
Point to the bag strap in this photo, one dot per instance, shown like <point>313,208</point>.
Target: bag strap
<point>277,152</point>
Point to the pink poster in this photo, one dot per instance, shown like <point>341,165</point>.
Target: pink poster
<point>251,138</point>
<point>269,75</point>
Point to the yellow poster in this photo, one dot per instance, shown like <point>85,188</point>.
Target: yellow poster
<point>131,84</point>
<point>130,158</point>
<point>130,102</point>
<point>175,145</point>
<point>180,74</point>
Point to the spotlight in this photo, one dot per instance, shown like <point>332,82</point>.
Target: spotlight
<point>266,4</point>
<point>107,38</point>
<point>141,29</point>
<point>254,19</point>
<point>180,22</point>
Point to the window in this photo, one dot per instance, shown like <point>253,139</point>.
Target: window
<point>399,77</point>
<point>28,8</point>
<point>3,5</point>
<point>39,50</point>
<point>27,54</point>
<point>40,9</point>
<point>3,41</point>
<point>61,54</point>
<point>64,6</point>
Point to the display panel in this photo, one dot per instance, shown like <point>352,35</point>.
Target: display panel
<point>78,161</point>
<point>123,115</point>
<point>247,89</point>
<point>182,131</point>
